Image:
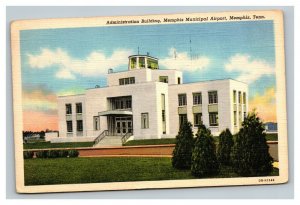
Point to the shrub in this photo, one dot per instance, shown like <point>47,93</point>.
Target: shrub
<point>63,153</point>
<point>53,154</point>
<point>204,160</point>
<point>225,147</point>
<point>28,154</point>
<point>251,153</point>
<point>73,153</point>
<point>182,152</point>
<point>42,154</point>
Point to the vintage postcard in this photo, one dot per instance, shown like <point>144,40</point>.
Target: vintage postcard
<point>143,102</point>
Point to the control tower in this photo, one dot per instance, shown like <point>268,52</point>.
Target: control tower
<point>142,62</point>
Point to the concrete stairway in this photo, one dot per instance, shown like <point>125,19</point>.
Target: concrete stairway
<point>110,141</point>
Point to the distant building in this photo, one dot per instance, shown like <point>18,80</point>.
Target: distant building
<point>271,127</point>
<point>51,135</point>
<point>148,103</point>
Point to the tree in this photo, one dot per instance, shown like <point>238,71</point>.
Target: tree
<point>225,147</point>
<point>182,152</point>
<point>204,160</point>
<point>251,152</point>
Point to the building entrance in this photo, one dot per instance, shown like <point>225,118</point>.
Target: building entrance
<point>123,125</point>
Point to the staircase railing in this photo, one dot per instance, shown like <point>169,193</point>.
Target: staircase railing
<point>125,137</point>
<point>100,137</point>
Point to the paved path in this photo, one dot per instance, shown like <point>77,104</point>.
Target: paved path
<point>145,150</point>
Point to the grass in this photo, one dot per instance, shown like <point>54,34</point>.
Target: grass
<point>150,142</point>
<point>272,137</point>
<point>96,170</point>
<point>269,137</point>
<point>44,145</point>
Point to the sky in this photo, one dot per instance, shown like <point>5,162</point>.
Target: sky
<point>67,61</point>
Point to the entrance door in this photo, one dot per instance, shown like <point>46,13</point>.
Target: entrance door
<point>123,125</point>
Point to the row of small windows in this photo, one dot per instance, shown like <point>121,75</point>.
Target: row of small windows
<point>151,63</point>
<point>197,98</point>
<point>240,117</point>
<point>240,97</point>
<point>126,81</point>
<point>121,103</point>
<point>79,126</point>
<point>78,108</point>
<point>213,119</point>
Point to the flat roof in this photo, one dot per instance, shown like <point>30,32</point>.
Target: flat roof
<point>61,96</point>
<point>142,56</point>
<point>137,70</point>
<point>204,81</point>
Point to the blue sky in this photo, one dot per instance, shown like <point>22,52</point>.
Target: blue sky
<point>238,50</point>
<point>217,41</point>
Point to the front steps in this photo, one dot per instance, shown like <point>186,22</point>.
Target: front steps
<point>110,141</point>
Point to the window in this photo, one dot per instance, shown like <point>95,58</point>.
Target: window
<point>213,97</point>
<point>79,108</point>
<point>121,103</point>
<point>126,81</point>
<point>128,104</point>
<point>245,115</point>
<point>133,63</point>
<point>182,119</point>
<point>240,97</point>
<point>163,115</point>
<point>244,98</point>
<point>142,62</point>
<point>240,117</point>
<point>213,119</point>
<point>197,119</point>
<point>68,109</point>
<point>145,121</point>
<point>79,125</point>
<point>234,96</point>
<point>234,118</point>
<point>182,99</point>
<point>122,81</point>
<point>178,80</point>
<point>132,80</point>
<point>96,123</point>
<point>152,63</point>
<point>163,101</point>
<point>69,126</point>
<point>163,79</point>
<point>117,104</point>
<point>163,112</point>
<point>197,98</point>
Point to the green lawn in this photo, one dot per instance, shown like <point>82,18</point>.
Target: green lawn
<point>150,142</point>
<point>95,170</point>
<point>269,137</point>
<point>44,145</point>
<point>272,137</point>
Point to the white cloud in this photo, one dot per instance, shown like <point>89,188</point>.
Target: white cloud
<point>183,61</point>
<point>95,64</point>
<point>250,69</point>
<point>64,74</point>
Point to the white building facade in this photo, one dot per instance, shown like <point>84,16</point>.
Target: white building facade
<point>148,103</point>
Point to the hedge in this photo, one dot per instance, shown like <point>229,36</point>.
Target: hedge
<point>28,155</point>
<point>51,154</point>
